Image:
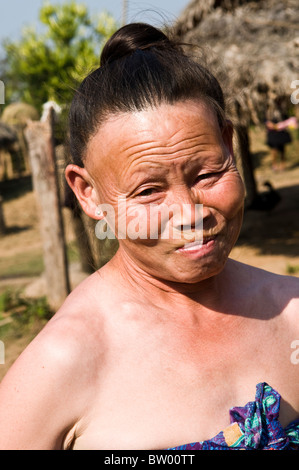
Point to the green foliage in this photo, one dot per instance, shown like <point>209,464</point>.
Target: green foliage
<point>292,269</point>
<point>5,301</point>
<point>24,310</point>
<point>46,66</point>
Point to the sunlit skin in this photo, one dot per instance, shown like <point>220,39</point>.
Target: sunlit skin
<point>171,158</point>
<point>153,349</point>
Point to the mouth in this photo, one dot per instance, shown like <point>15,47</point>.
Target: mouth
<point>197,247</point>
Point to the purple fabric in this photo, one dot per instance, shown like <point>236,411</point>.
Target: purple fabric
<point>255,426</point>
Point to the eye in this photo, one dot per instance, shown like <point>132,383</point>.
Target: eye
<point>208,176</point>
<point>148,192</point>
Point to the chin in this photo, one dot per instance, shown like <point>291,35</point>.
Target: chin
<point>194,276</point>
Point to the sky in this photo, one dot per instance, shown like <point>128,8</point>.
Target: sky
<point>15,14</point>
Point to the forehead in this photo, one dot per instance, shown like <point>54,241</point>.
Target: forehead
<point>154,136</point>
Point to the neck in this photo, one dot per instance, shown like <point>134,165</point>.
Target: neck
<point>205,294</point>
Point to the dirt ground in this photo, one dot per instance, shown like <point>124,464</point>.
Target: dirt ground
<point>269,240</point>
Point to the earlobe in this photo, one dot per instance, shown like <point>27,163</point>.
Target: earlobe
<point>80,182</point>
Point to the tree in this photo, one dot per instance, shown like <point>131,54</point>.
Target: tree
<point>46,66</point>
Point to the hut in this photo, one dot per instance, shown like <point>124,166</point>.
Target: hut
<point>17,115</point>
<point>7,136</point>
<point>8,140</point>
<point>255,45</point>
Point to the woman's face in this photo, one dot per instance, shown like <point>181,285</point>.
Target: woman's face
<point>170,177</point>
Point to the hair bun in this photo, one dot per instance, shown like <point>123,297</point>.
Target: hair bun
<point>131,37</point>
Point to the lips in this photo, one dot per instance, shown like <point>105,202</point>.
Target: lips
<point>195,245</point>
<point>192,246</point>
<point>196,249</point>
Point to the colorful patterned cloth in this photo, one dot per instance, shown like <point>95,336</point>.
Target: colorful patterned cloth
<point>254,427</point>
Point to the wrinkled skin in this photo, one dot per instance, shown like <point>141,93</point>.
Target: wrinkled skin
<point>173,157</point>
<point>152,350</point>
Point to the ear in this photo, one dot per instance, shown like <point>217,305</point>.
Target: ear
<point>227,136</point>
<point>82,184</point>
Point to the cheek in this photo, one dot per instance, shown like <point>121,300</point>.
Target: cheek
<point>153,222</point>
<point>134,222</point>
<point>146,222</point>
<point>229,196</point>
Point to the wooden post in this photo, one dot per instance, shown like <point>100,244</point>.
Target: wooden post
<point>246,163</point>
<point>39,136</point>
<point>2,220</point>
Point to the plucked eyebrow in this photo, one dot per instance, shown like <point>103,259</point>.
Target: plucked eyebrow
<point>150,159</point>
<point>146,175</point>
<point>154,172</point>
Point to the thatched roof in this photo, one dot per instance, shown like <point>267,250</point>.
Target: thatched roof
<point>255,44</point>
<point>17,114</point>
<point>196,11</point>
<point>7,135</point>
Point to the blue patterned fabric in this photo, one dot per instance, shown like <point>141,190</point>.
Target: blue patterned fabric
<point>255,426</point>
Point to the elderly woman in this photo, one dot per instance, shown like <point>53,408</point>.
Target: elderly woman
<point>171,344</point>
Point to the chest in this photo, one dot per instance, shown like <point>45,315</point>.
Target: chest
<point>156,418</point>
<point>160,390</point>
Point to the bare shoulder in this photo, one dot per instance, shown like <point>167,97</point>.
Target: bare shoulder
<point>286,292</point>
<point>51,383</point>
<point>72,331</point>
<point>275,292</point>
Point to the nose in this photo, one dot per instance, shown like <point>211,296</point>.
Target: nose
<point>188,217</point>
<point>188,212</point>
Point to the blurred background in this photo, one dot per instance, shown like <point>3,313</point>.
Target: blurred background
<point>47,245</point>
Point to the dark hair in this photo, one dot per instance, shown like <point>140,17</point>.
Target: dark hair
<point>140,67</point>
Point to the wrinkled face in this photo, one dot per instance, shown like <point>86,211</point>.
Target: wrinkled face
<point>172,157</point>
